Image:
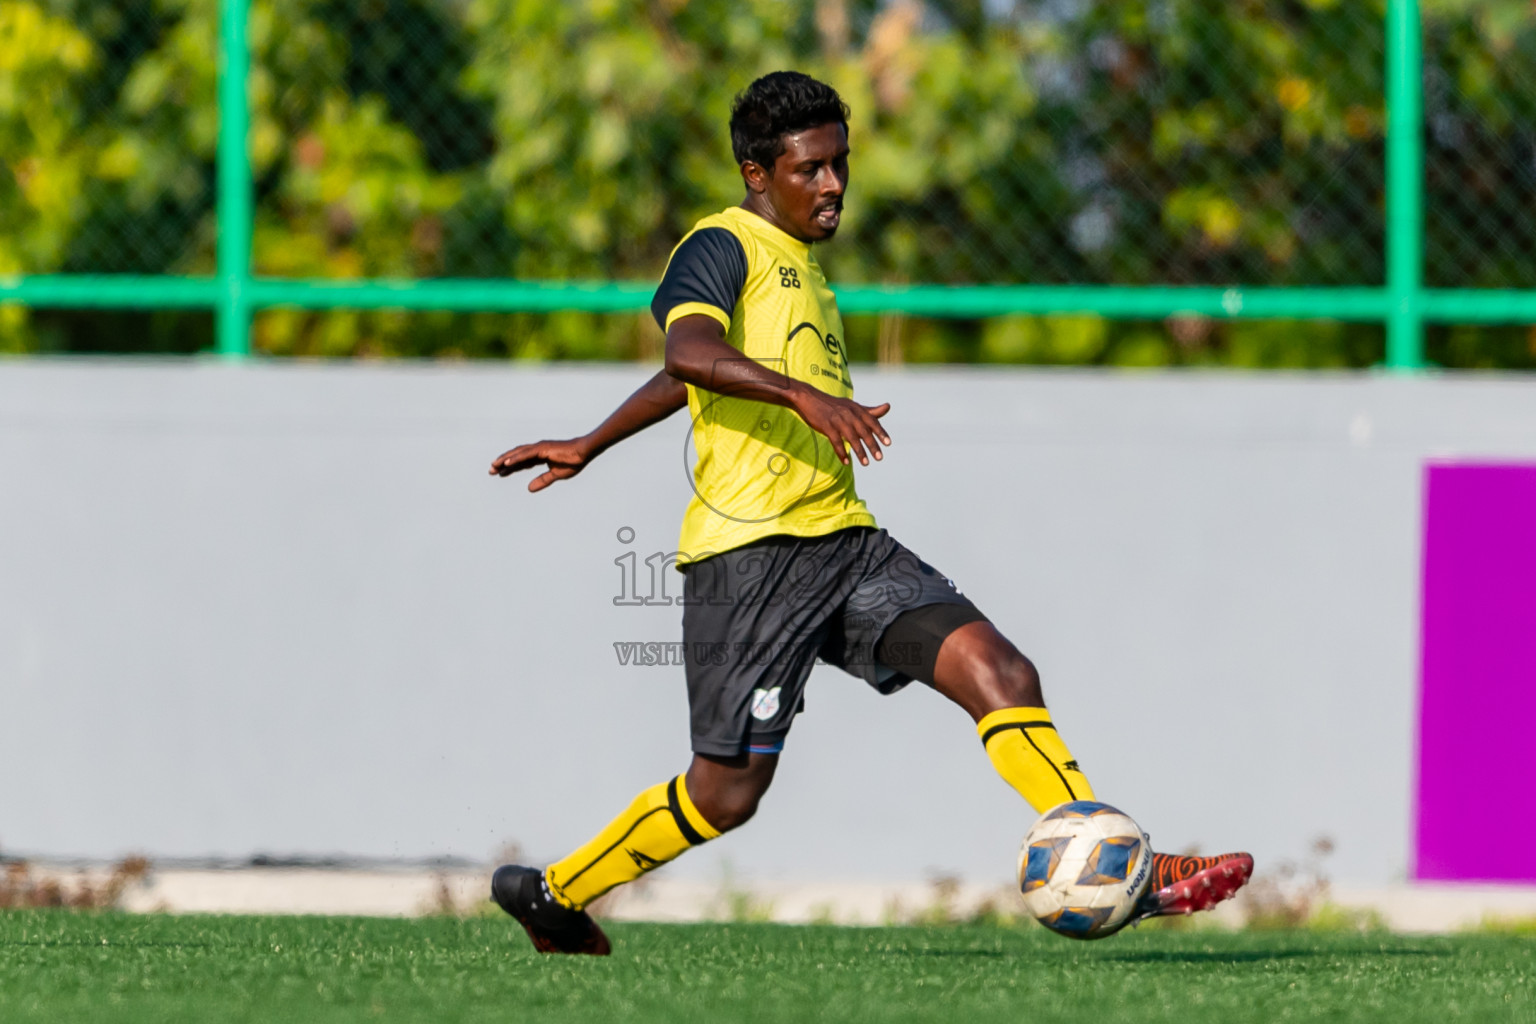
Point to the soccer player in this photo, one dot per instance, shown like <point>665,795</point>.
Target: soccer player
<point>782,561</point>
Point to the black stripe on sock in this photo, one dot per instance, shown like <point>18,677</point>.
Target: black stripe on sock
<point>1013,725</point>
<point>615,846</point>
<point>1048,761</point>
<point>683,825</point>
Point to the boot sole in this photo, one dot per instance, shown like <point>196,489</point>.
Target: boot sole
<point>1200,891</point>
<point>594,943</point>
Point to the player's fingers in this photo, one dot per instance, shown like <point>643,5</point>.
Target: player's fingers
<point>872,433</point>
<point>856,442</point>
<point>875,412</point>
<point>838,446</point>
<point>522,457</point>
<point>500,462</point>
<point>555,472</point>
<point>872,439</point>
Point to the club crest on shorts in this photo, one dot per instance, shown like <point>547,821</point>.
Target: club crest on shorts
<point>765,703</point>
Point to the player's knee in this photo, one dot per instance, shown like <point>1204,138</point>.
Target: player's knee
<point>734,811</point>
<point>1022,682</point>
<point>729,807</point>
<point>1008,679</point>
<point>728,803</point>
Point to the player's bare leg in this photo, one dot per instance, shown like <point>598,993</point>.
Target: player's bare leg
<point>716,795</point>
<point>726,790</point>
<point>980,670</point>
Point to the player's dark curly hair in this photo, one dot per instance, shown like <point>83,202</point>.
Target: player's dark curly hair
<point>779,104</point>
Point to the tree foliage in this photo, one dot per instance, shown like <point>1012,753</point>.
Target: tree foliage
<point>1058,141</point>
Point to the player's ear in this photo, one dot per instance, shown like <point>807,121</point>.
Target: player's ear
<point>755,176</point>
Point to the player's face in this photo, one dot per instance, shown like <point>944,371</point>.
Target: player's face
<point>805,190</point>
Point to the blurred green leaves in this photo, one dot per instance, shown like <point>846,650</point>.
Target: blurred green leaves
<point>1060,141</point>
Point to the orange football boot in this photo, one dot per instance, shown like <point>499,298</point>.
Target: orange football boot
<point>1183,885</point>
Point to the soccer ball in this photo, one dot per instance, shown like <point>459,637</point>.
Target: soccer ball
<point>1082,869</point>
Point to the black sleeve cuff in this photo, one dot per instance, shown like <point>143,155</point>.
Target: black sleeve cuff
<point>710,267</point>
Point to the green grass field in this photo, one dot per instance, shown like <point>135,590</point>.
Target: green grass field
<point>60,966</point>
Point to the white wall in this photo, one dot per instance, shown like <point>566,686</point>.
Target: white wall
<point>283,608</point>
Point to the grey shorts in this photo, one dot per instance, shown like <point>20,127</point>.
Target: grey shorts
<point>756,618</point>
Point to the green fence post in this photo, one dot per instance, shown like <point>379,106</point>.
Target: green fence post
<point>1405,185</point>
<point>236,200</point>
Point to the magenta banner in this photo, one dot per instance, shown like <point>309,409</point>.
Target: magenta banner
<point>1477,698</point>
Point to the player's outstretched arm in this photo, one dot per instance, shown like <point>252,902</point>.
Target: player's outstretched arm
<point>698,354</point>
<point>656,399</point>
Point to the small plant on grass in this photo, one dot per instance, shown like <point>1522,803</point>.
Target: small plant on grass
<point>1290,894</point>
<point>736,903</point>
<point>21,887</point>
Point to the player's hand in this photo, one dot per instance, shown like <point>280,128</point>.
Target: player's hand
<point>564,458</point>
<point>850,427</point>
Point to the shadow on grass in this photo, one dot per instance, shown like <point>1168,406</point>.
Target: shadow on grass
<point>1162,956</point>
<point>954,953</point>
<point>111,944</point>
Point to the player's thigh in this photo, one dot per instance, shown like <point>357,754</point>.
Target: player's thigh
<point>982,671</point>
<point>754,620</point>
<point>897,617</point>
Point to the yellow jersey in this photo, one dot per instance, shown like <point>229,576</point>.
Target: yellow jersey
<point>759,469</point>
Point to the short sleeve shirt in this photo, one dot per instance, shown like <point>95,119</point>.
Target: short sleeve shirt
<point>759,469</point>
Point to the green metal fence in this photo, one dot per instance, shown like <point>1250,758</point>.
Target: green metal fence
<point>1365,261</point>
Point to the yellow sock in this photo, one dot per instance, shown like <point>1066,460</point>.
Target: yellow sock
<point>660,825</point>
<point>1031,758</point>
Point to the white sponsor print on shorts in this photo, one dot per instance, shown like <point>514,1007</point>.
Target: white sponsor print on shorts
<point>765,703</point>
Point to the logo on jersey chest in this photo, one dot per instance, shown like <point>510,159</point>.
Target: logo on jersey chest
<point>836,357</point>
<point>789,277</point>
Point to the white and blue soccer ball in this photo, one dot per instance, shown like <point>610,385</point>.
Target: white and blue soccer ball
<point>1083,868</point>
